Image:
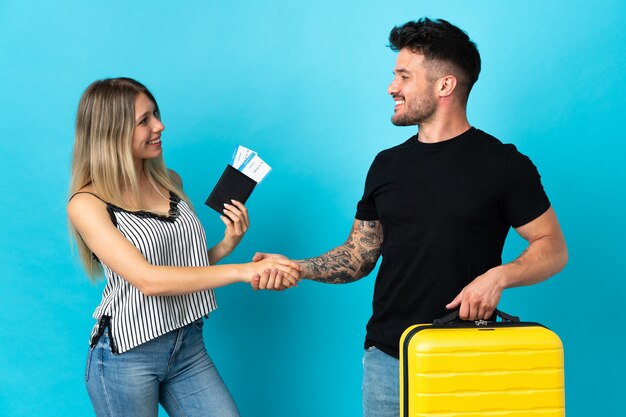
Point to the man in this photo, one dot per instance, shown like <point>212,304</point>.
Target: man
<point>437,208</point>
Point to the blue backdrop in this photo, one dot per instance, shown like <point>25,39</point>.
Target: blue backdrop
<point>304,84</point>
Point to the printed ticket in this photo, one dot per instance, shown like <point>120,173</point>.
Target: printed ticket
<point>249,163</point>
<point>240,155</point>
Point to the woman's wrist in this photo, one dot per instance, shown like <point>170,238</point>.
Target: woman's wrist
<point>219,252</point>
<point>226,248</point>
<point>245,272</point>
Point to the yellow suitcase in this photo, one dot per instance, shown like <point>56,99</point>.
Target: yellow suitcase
<point>502,368</point>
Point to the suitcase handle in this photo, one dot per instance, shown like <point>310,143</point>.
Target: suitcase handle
<point>453,317</point>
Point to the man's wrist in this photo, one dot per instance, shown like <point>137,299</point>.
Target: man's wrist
<point>502,275</point>
<point>305,274</point>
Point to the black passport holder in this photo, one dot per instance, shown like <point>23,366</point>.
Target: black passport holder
<point>231,185</point>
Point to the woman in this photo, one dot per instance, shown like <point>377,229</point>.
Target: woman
<point>132,221</point>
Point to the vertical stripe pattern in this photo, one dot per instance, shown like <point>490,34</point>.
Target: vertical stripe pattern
<point>177,239</point>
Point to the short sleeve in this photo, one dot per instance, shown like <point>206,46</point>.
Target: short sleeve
<point>524,196</point>
<point>366,208</point>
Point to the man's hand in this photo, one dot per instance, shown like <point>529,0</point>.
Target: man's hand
<point>271,279</point>
<point>545,255</point>
<point>480,297</point>
<point>259,256</point>
<point>346,263</point>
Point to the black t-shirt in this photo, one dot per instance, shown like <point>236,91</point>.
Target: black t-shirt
<point>445,210</point>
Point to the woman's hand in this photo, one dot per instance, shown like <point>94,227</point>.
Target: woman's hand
<point>284,273</point>
<point>237,223</point>
<point>271,280</point>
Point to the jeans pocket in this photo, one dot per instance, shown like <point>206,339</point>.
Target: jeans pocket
<point>198,324</point>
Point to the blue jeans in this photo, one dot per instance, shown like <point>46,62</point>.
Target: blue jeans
<point>173,369</point>
<point>381,384</point>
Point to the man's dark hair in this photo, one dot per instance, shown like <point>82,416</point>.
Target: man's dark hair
<point>439,40</point>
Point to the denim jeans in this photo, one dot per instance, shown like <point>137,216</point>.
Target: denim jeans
<point>173,370</point>
<point>381,386</point>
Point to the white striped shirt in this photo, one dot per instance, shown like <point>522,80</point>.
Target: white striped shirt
<point>177,239</point>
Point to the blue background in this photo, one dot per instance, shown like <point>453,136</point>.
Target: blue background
<point>304,84</point>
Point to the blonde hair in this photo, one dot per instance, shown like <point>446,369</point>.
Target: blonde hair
<point>102,155</point>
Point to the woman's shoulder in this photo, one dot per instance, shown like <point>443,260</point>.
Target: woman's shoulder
<point>87,211</point>
<point>87,191</point>
<point>85,197</point>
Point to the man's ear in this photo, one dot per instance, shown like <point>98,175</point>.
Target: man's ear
<point>446,86</point>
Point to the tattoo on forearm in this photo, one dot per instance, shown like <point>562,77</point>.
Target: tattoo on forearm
<point>351,261</point>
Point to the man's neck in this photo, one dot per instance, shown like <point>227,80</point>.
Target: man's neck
<point>443,128</point>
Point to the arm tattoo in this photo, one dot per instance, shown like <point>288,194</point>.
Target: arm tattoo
<point>351,261</point>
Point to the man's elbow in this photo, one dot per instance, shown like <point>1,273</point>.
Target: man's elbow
<point>564,257</point>
<point>364,270</point>
<point>561,256</point>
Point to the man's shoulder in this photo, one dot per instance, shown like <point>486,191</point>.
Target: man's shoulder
<point>489,142</point>
<point>485,138</point>
<point>397,149</point>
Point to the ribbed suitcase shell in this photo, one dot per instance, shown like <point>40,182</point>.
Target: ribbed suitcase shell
<point>500,370</point>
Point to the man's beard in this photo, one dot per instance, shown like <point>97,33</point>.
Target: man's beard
<point>420,113</point>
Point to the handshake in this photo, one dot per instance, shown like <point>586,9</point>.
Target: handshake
<point>274,272</point>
